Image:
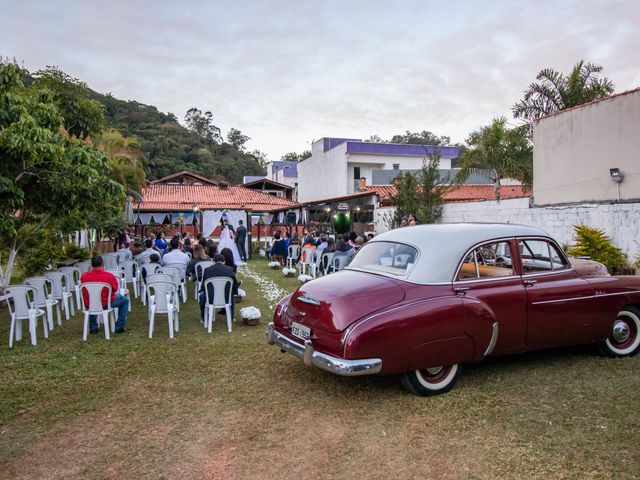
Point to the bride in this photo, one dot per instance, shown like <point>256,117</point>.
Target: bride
<point>227,240</point>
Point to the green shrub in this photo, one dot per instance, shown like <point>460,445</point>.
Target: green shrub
<point>593,243</point>
<point>71,250</point>
<point>41,249</point>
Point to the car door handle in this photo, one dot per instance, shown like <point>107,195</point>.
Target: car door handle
<point>461,290</point>
<point>530,283</point>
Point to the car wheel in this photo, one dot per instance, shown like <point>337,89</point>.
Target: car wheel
<point>624,339</point>
<point>431,381</point>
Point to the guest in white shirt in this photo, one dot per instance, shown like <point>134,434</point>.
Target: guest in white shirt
<point>143,257</point>
<point>124,253</point>
<point>175,255</point>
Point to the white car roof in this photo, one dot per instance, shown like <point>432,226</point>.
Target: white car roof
<point>441,246</point>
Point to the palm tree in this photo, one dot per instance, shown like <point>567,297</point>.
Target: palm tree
<point>557,92</point>
<point>497,152</point>
<point>125,158</point>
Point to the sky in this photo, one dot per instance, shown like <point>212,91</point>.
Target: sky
<point>287,73</point>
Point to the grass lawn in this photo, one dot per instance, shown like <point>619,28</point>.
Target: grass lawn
<point>226,405</point>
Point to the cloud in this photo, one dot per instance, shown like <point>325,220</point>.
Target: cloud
<point>288,72</point>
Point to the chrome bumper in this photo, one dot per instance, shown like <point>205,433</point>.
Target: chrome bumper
<point>339,366</point>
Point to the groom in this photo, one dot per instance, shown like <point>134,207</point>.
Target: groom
<point>241,237</point>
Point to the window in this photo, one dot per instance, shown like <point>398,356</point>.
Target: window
<point>385,257</point>
<point>540,256</point>
<point>396,166</point>
<point>491,260</point>
<point>356,173</point>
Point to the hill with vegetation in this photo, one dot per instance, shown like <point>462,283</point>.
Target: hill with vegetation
<point>168,147</point>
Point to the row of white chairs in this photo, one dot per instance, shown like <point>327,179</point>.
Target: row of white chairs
<point>310,262</point>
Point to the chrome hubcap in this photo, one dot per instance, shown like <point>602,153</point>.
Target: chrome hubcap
<point>434,370</point>
<point>621,331</point>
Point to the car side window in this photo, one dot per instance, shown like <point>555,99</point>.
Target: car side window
<point>491,260</point>
<point>540,256</point>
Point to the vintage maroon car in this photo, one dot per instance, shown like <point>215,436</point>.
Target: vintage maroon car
<point>420,301</point>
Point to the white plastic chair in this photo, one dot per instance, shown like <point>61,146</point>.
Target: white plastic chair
<point>292,255</point>
<point>110,261</point>
<point>75,274</point>
<point>123,257</point>
<point>325,262</point>
<point>24,308</point>
<point>200,268</point>
<point>84,267</point>
<point>45,299</point>
<point>219,300</point>
<point>163,298</point>
<point>122,284</point>
<point>338,262</point>
<point>62,290</point>
<point>178,272</point>
<point>94,291</point>
<point>132,274</point>
<point>146,270</point>
<point>308,261</point>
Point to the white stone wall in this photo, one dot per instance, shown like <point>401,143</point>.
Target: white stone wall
<point>620,221</point>
<point>323,175</point>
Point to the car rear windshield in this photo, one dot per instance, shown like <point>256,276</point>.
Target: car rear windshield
<point>385,257</point>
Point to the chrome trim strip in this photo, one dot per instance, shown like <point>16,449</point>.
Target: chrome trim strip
<point>309,300</point>
<point>493,341</point>
<point>306,352</point>
<point>560,300</point>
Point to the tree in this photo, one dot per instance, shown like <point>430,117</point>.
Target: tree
<point>82,116</point>
<point>237,139</point>
<point>497,152</point>
<point>48,178</point>
<point>202,125</point>
<point>126,160</point>
<point>431,190</point>
<point>260,157</point>
<point>406,195</point>
<point>422,138</point>
<point>295,157</point>
<point>555,91</point>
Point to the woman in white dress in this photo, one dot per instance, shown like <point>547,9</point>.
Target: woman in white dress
<point>227,241</point>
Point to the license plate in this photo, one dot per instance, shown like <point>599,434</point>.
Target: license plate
<point>300,331</point>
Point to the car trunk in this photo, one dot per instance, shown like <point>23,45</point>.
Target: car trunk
<point>334,302</point>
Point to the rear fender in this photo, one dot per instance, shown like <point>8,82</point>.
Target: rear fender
<point>479,320</point>
<point>402,335</point>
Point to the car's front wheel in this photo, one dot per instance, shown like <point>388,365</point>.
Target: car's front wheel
<point>431,381</point>
<point>624,339</point>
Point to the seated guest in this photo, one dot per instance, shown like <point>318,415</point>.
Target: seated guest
<point>352,239</point>
<point>198,256</point>
<point>161,243</point>
<point>331,246</point>
<point>228,259</point>
<point>295,240</point>
<point>211,248</point>
<point>98,274</point>
<point>279,249</point>
<point>124,253</point>
<point>218,269</point>
<point>175,255</point>
<point>308,243</point>
<point>352,253</point>
<point>154,258</point>
<point>147,252</point>
<point>187,246</point>
<point>322,244</point>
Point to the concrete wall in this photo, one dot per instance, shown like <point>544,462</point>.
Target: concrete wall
<point>324,174</point>
<point>620,221</point>
<point>574,150</point>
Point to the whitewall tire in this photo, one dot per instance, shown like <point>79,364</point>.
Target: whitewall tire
<point>624,339</point>
<point>431,381</point>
